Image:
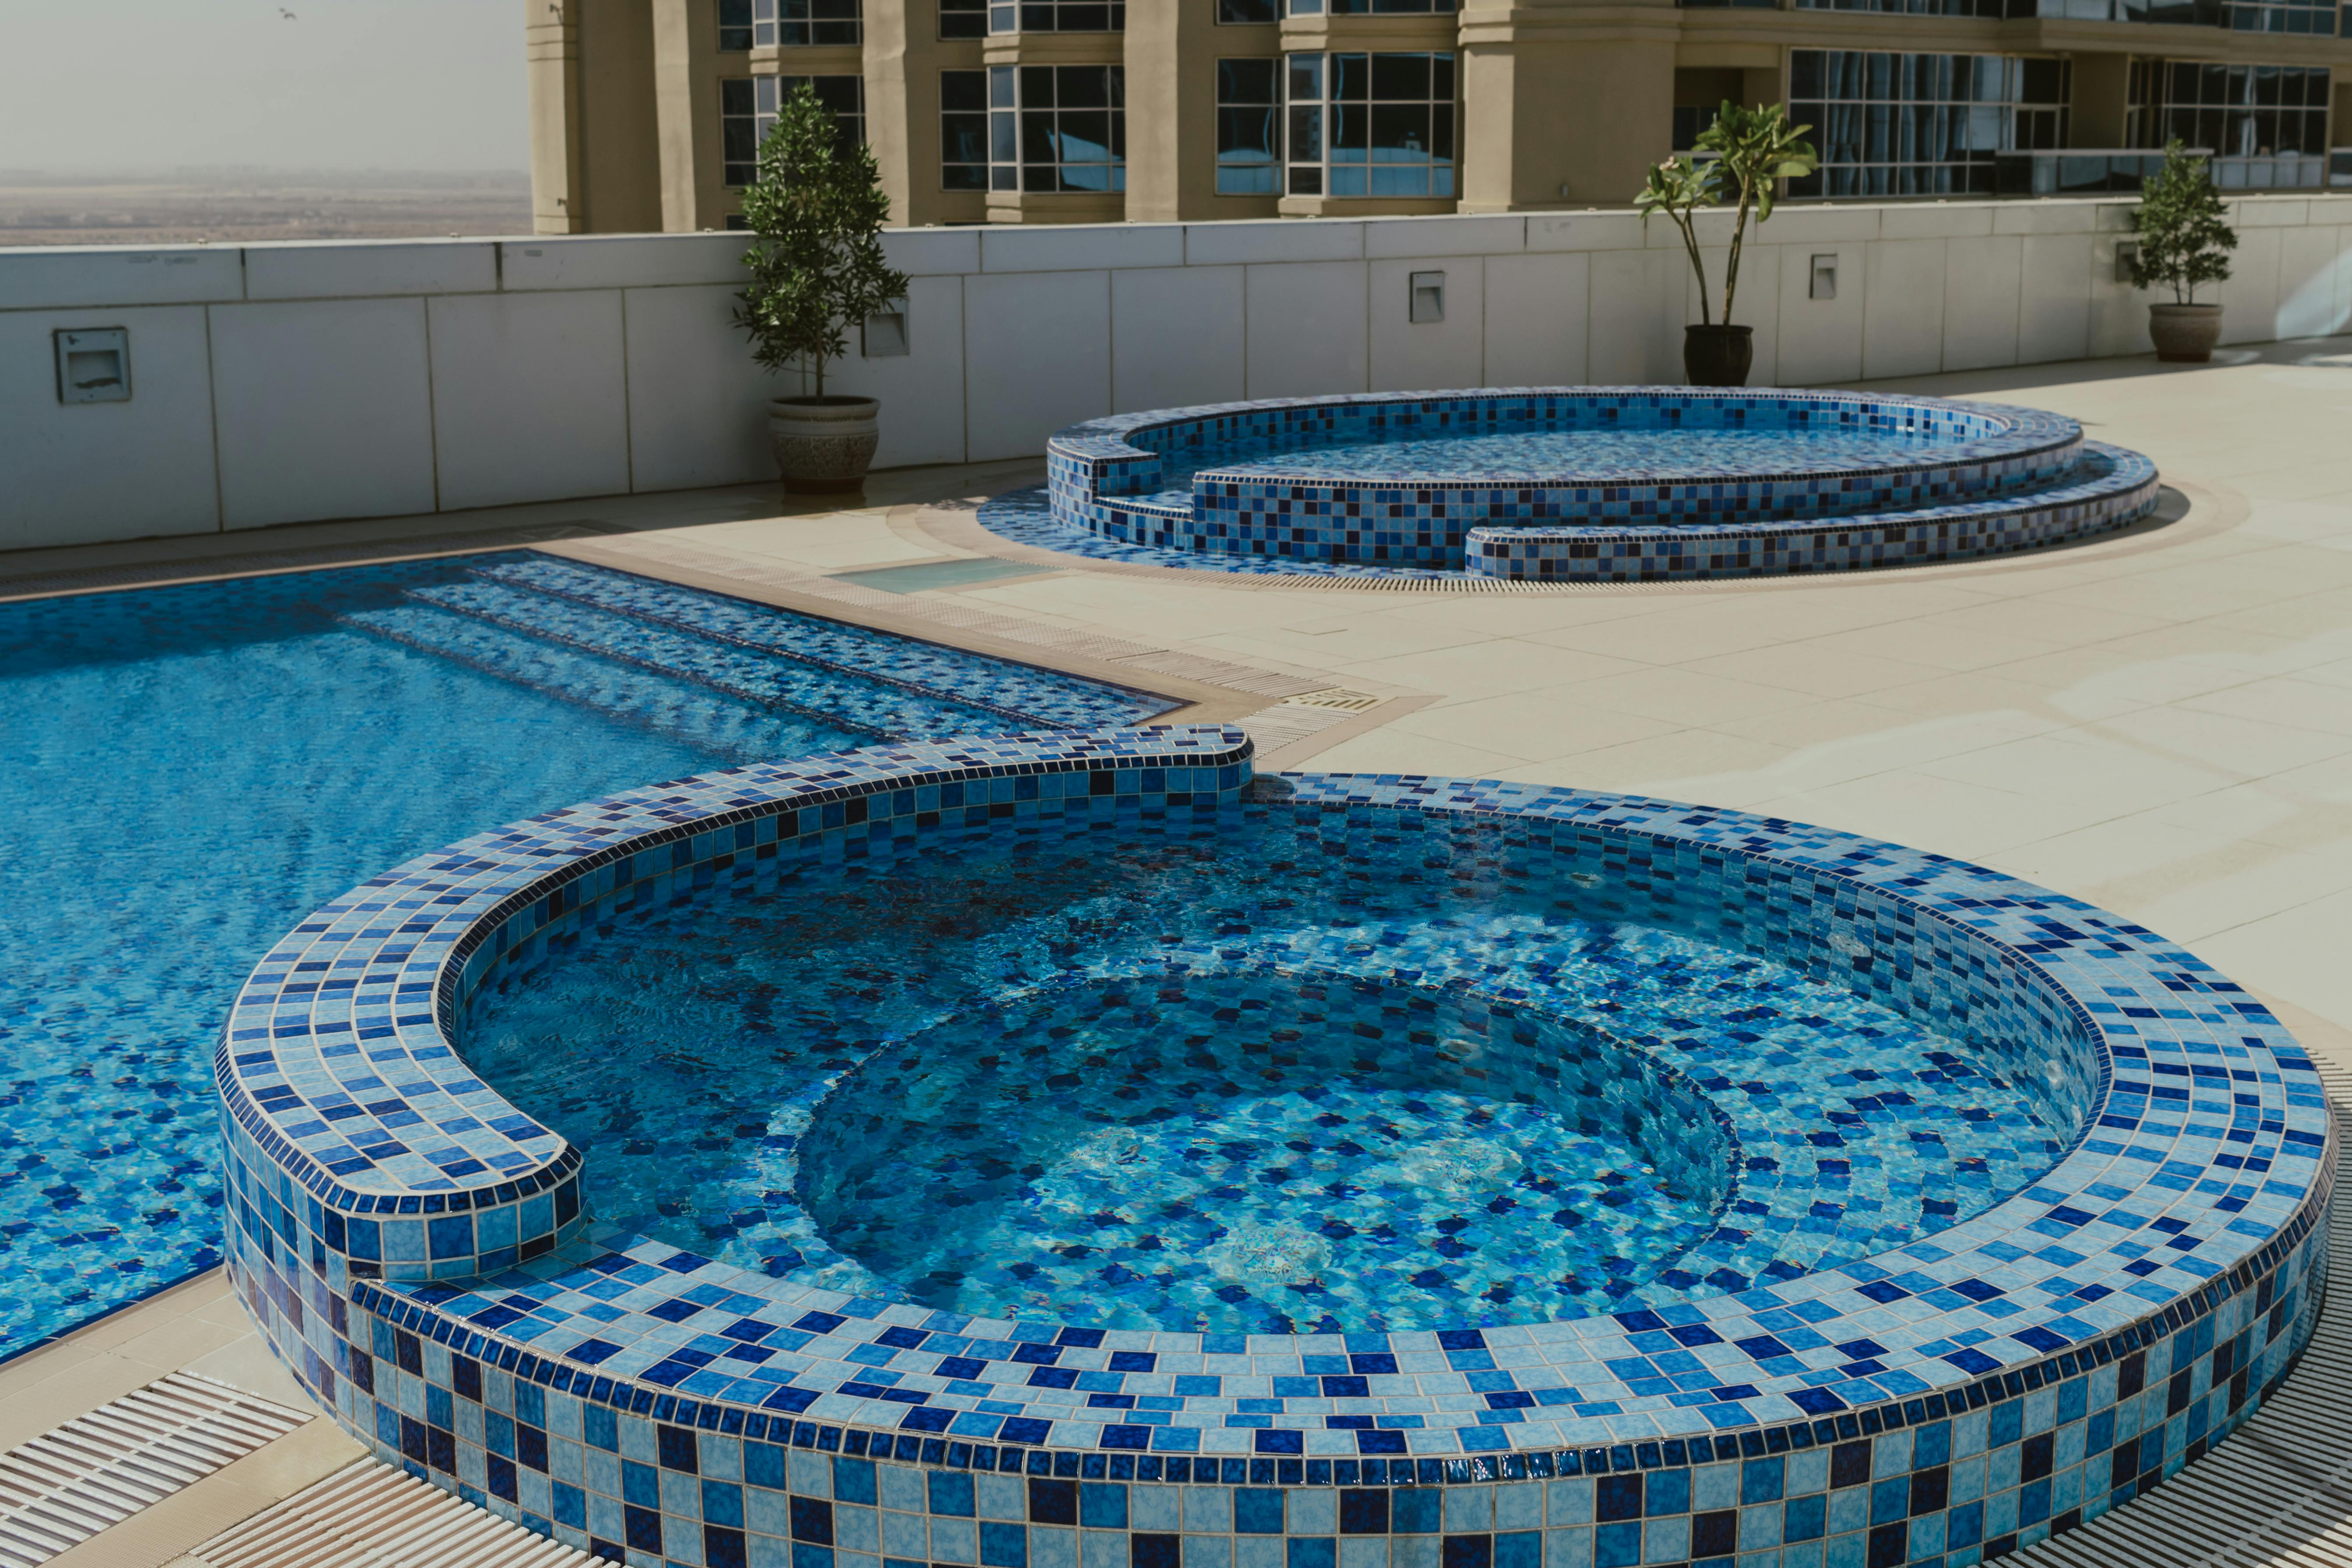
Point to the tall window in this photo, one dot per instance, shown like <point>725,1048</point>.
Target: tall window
<point>764,24</point>
<point>963,131</point>
<point>735,27</point>
<point>1372,125</point>
<point>963,18</point>
<point>748,105</point>
<point>1906,125</point>
<point>1057,128</point>
<point>1369,7</point>
<point>2241,112</point>
<point>1249,128</point>
<point>1058,16</point>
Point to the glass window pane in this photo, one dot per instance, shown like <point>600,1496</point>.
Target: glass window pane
<point>1400,133</point>
<point>1306,78</point>
<point>1401,77</point>
<point>1350,133</point>
<point>1081,87</point>
<point>1350,76</point>
<point>1245,81</point>
<point>1306,135</point>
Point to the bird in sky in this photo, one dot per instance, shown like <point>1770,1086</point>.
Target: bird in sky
<point>283,12</point>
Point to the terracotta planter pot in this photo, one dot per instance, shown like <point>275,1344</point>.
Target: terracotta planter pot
<point>2185,333</point>
<point>822,445</point>
<point>1718,355</point>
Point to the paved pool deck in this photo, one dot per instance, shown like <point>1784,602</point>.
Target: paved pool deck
<point>2160,723</point>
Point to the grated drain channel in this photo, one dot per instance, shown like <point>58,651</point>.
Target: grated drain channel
<point>1334,697</point>
<point>373,1516</point>
<point>71,1482</point>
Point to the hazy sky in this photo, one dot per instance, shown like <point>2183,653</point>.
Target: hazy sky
<point>347,84</point>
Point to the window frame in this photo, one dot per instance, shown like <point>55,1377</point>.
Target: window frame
<point>1017,124</point>
<point>1229,110</point>
<point>764,96</point>
<point>1321,130</point>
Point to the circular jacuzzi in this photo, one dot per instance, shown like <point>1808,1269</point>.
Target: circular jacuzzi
<point>1079,1109</point>
<point>1576,483</point>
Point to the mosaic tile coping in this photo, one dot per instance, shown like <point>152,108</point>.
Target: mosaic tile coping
<point>1640,456</point>
<point>369,1170</point>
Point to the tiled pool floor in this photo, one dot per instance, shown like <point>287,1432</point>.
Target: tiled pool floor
<point>1857,1128</point>
<point>188,766</point>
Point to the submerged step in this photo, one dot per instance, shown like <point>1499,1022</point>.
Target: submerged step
<point>1025,696</point>
<point>744,730</point>
<point>884,710</point>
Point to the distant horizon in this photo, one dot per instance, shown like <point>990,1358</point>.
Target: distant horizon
<point>358,86</point>
<point>191,171</point>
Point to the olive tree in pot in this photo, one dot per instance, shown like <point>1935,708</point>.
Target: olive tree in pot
<point>816,266</point>
<point>1757,149</point>
<point>2184,240</point>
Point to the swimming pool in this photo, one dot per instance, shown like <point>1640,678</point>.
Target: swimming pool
<point>189,768</point>
<point>1089,1082</point>
<point>1575,484</point>
<point>2038,1340</point>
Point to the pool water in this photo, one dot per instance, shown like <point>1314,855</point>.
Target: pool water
<point>189,770</point>
<point>1600,454</point>
<point>1127,1082</point>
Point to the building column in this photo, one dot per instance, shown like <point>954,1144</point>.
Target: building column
<point>904,57</point>
<point>2101,93</point>
<point>550,31</point>
<point>686,107</point>
<point>1564,104</point>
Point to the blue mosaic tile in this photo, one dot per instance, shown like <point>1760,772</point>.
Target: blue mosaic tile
<point>2047,1357</point>
<point>1574,484</point>
<point>214,755</point>
<point>2141,1231</point>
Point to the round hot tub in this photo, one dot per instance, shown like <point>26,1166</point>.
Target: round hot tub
<point>1056,1133</point>
<point>1576,483</point>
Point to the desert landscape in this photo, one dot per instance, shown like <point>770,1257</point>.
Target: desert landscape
<point>235,205</point>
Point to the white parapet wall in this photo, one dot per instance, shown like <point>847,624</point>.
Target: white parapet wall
<point>294,382</point>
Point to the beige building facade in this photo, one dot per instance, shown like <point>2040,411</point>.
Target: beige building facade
<point>646,114</point>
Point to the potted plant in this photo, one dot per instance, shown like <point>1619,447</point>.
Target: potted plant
<point>1756,148</point>
<point>816,266</point>
<point>2183,241</point>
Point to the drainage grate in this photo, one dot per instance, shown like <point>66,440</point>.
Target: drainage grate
<point>1338,696</point>
<point>69,1483</point>
<point>373,1516</point>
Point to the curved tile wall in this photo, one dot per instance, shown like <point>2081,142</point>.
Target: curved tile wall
<point>1973,1391</point>
<point>1108,476</point>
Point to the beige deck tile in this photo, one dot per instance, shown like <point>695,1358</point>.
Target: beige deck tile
<point>1688,696</point>
<point>1815,670</point>
<point>1953,816</point>
<point>1493,668</point>
<point>1533,726</point>
<point>1925,642</point>
<point>2235,741</point>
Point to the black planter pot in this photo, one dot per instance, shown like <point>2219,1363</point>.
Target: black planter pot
<point>1718,356</point>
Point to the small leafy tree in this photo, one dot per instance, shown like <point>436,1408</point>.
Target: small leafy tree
<point>817,208</point>
<point>1757,149</point>
<point>1679,188</point>
<point>1760,149</point>
<point>2184,239</point>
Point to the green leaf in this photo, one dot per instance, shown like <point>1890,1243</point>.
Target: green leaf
<point>2185,238</point>
<point>817,265</point>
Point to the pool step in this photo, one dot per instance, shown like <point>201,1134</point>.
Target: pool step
<point>1026,697</point>
<point>729,729</point>
<point>2110,488</point>
<point>870,708</point>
